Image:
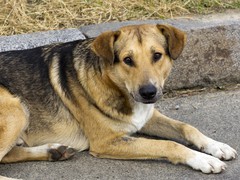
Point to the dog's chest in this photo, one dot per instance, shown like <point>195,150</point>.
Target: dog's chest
<point>141,114</point>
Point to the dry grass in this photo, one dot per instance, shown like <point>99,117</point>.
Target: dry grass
<point>22,16</point>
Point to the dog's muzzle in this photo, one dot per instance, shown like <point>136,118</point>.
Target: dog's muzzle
<point>148,94</point>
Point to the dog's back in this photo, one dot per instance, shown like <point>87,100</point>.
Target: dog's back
<point>25,73</point>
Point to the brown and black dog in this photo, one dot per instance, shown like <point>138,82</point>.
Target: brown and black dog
<point>94,94</point>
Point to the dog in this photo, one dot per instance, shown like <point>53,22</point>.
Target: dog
<point>95,94</point>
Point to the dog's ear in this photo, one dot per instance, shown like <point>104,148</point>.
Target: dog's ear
<point>176,39</point>
<point>103,45</point>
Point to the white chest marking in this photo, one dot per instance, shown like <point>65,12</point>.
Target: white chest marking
<point>141,114</point>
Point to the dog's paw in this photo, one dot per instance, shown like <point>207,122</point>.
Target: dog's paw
<point>206,163</point>
<point>219,150</point>
<point>20,142</point>
<point>58,152</point>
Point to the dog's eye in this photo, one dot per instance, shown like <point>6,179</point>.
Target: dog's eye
<point>157,56</point>
<point>128,61</point>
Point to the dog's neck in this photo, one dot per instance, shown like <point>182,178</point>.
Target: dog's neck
<point>108,97</point>
<point>99,88</point>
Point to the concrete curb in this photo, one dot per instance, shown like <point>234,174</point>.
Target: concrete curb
<point>211,56</point>
<point>185,23</point>
<point>32,40</point>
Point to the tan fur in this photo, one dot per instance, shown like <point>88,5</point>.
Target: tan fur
<point>102,109</point>
<point>13,120</point>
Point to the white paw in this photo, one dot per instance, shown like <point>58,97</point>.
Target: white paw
<point>206,163</point>
<point>219,150</point>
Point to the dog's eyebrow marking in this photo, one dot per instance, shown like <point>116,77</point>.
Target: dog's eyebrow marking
<point>153,50</point>
<point>130,52</point>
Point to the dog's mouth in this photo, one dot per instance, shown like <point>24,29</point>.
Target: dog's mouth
<point>149,101</point>
<point>138,98</point>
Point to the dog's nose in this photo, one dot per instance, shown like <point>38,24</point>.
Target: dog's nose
<point>148,91</point>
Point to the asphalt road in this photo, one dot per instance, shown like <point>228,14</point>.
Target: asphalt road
<point>216,114</point>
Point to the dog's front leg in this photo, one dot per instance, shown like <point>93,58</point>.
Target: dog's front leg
<point>141,148</point>
<point>162,126</point>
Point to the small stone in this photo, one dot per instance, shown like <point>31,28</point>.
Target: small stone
<point>177,107</point>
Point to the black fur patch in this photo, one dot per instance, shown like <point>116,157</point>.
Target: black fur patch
<point>66,67</point>
<point>116,58</point>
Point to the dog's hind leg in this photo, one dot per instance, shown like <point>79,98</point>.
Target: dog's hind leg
<point>47,152</point>
<point>13,120</point>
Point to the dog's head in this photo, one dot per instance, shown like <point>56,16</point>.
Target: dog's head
<point>139,58</point>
